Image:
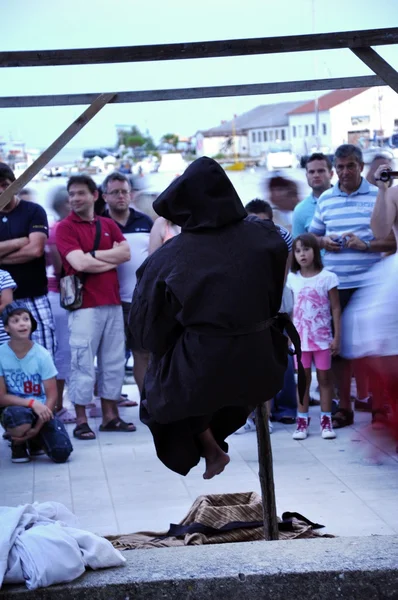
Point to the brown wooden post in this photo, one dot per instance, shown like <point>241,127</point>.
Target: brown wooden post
<point>266,474</point>
<point>55,147</point>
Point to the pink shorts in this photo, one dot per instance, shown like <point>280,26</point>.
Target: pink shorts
<point>322,359</point>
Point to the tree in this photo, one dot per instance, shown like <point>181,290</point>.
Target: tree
<point>170,138</point>
<point>135,139</point>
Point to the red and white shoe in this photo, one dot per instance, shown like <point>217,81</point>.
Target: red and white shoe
<point>301,432</point>
<point>327,430</point>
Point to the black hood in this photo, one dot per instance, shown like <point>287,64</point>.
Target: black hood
<point>202,198</point>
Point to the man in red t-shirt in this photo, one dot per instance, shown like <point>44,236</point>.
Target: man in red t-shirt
<point>97,328</point>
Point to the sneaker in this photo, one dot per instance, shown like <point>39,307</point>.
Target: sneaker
<point>247,427</point>
<point>301,432</point>
<point>35,448</point>
<point>19,453</point>
<point>327,431</point>
<point>364,405</point>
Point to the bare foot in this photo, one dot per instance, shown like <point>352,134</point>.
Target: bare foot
<point>215,464</point>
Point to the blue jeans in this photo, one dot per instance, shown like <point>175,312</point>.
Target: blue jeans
<point>53,436</point>
<point>285,402</point>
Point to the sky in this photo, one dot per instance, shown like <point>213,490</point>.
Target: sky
<point>56,24</point>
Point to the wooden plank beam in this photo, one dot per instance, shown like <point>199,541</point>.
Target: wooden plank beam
<point>194,93</point>
<point>211,49</point>
<point>378,65</point>
<point>55,147</point>
<point>266,474</point>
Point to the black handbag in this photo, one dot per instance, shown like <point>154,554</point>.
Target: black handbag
<point>72,286</point>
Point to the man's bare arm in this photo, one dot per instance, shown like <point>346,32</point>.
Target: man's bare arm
<point>9,246</point>
<point>33,249</point>
<point>117,255</point>
<point>385,210</point>
<point>85,263</point>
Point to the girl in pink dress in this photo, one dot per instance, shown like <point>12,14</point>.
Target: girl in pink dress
<point>316,303</point>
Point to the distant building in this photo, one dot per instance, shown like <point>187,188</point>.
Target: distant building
<point>250,134</point>
<point>356,116</point>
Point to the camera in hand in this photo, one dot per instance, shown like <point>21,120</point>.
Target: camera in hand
<point>387,175</point>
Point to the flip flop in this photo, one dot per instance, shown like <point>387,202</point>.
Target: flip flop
<point>118,425</point>
<point>125,401</point>
<point>83,432</point>
<point>65,416</point>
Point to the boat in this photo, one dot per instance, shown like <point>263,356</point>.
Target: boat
<point>236,166</point>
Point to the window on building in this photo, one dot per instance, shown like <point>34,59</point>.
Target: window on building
<point>300,130</point>
<point>283,134</point>
<point>312,129</point>
<point>324,129</point>
<point>253,136</point>
<point>265,137</point>
<point>259,136</point>
<point>306,130</point>
<point>276,134</point>
<point>294,131</point>
<point>271,136</point>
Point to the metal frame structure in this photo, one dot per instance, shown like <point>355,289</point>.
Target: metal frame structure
<point>359,42</point>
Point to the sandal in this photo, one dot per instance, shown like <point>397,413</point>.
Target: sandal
<point>83,432</point>
<point>118,425</point>
<point>342,418</point>
<point>65,416</point>
<point>126,402</point>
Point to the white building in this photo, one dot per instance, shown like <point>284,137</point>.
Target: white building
<point>250,134</point>
<point>356,116</point>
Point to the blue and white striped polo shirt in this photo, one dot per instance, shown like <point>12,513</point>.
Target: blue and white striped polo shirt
<point>337,213</point>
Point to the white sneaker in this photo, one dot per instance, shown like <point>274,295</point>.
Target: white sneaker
<point>270,426</point>
<point>247,427</point>
<point>301,432</point>
<point>327,431</point>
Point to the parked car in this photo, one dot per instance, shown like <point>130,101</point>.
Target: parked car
<point>93,152</point>
<point>280,157</point>
<point>372,151</point>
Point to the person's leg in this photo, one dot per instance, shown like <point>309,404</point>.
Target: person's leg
<point>17,421</point>
<point>216,459</point>
<point>110,357</point>
<point>45,333</point>
<point>323,361</point>
<point>285,402</point>
<point>62,358</point>
<point>85,326</point>
<point>342,372</point>
<point>56,441</point>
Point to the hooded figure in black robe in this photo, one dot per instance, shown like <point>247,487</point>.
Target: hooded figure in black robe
<point>203,307</point>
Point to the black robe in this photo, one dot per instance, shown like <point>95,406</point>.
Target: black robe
<point>201,307</point>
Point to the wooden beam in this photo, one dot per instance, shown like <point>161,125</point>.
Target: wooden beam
<point>212,49</point>
<point>55,147</point>
<point>378,65</point>
<point>266,474</point>
<point>194,93</point>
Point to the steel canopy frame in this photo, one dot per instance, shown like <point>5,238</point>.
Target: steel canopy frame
<point>359,42</point>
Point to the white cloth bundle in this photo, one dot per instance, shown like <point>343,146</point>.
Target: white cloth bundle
<point>40,545</point>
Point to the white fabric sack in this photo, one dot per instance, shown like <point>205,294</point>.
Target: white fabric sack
<point>41,545</point>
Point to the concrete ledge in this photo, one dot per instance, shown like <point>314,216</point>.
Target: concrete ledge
<point>316,569</point>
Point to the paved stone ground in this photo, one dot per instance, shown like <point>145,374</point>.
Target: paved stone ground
<point>117,485</point>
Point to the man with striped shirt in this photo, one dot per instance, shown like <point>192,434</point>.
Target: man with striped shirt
<point>342,224</point>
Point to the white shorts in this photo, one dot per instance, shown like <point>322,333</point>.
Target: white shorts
<point>96,332</point>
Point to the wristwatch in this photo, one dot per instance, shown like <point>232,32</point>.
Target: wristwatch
<point>367,244</point>
<point>92,253</point>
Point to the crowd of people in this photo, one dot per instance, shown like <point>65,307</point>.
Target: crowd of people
<point>198,314</point>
